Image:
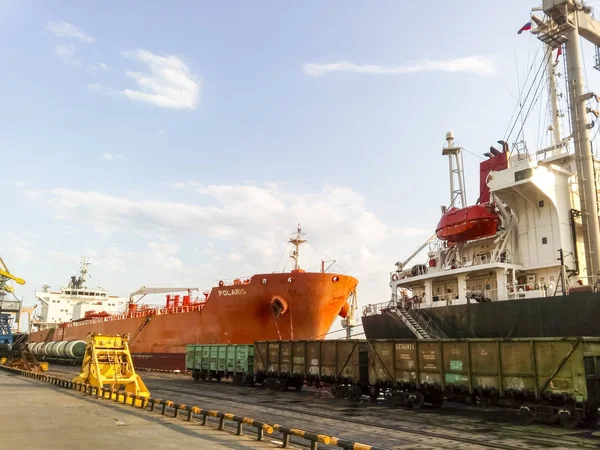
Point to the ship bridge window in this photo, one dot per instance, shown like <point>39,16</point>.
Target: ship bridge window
<point>544,241</point>
<point>522,174</point>
<point>541,203</point>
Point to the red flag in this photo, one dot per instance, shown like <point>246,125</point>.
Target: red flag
<point>558,53</point>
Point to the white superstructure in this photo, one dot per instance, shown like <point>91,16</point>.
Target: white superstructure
<point>534,229</point>
<point>73,301</point>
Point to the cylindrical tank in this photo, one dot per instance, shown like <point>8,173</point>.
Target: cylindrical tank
<point>32,347</point>
<point>75,349</point>
<point>46,348</point>
<point>52,349</point>
<point>59,349</point>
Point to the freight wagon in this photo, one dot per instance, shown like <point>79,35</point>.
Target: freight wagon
<point>547,379</point>
<point>213,361</point>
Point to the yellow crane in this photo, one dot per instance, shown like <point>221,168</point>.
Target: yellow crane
<point>6,276</point>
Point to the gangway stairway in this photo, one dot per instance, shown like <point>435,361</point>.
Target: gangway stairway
<point>422,326</point>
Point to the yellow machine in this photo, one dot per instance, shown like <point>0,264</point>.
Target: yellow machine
<point>20,357</point>
<point>107,363</point>
<point>5,276</point>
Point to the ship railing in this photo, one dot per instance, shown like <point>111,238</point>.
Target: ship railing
<point>378,308</point>
<point>233,281</point>
<point>161,310</point>
<point>426,322</point>
<point>531,290</point>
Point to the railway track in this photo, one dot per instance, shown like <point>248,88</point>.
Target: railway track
<point>531,440</point>
<point>384,424</point>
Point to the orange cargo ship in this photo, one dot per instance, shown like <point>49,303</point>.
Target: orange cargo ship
<point>274,306</point>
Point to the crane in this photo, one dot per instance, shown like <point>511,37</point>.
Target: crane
<point>401,265</point>
<point>349,321</point>
<point>8,308</point>
<point>6,276</point>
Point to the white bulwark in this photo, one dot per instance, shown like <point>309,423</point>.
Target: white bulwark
<point>73,301</point>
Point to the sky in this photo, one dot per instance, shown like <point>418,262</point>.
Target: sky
<point>179,144</point>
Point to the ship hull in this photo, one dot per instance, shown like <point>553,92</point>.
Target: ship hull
<point>238,314</point>
<point>572,315</point>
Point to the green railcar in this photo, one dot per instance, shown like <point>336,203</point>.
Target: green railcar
<point>548,379</point>
<point>215,361</point>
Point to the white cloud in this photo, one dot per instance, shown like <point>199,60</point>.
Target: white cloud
<point>479,65</point>
<point>110,156</point>
<point>66,53</point>
<point>99,68</point>
<point>64,29</point>
<point>168,82</point>
<point>19,183</point>
<point>20,245</point>
<point>179,185</point>
<point>239,230</point>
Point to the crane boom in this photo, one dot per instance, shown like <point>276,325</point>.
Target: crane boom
<point>4,272</point>
<point>416,252</point>
<point>158,290</point>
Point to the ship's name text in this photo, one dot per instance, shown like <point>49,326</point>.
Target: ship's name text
<point>228,292</point>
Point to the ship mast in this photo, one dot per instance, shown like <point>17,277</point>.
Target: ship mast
<point>567,21</point>
<point>554,111</point>
<point>85,262</point>
<point>296,240</point>
<point>457,176</point>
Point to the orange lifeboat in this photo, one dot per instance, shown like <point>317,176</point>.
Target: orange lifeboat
<point>466,224</point>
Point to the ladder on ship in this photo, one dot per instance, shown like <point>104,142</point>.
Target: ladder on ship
<point>421,325</point>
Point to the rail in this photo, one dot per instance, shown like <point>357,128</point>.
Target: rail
<point>421,317</point>
<point>194,412</point>
<point>426,322</point>
<point>152,311</point>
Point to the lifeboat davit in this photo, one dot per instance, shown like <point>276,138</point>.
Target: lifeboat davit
<point>466,224</point>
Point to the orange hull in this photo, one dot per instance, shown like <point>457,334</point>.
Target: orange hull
<point>238,314</point>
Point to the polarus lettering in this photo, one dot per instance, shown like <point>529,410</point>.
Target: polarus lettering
<point>228,292</point>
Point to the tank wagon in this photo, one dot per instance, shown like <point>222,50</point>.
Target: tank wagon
<point>64,352</point>
<point>548,379</point>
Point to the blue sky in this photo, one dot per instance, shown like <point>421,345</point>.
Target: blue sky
<point>182,143</point>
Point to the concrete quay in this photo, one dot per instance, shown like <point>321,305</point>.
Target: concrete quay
<point>37,415</point>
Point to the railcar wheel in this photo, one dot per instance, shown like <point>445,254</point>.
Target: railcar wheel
<point>337,391</point>
<point>355,393</point>
<point>568,419</point>
<point>526,415</point>
<point>283,385</point>
<point>374,392</point>
<point>299,385</point>
<point>416,400</point>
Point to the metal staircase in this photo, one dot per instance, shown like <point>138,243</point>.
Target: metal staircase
<point>422,326</point>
